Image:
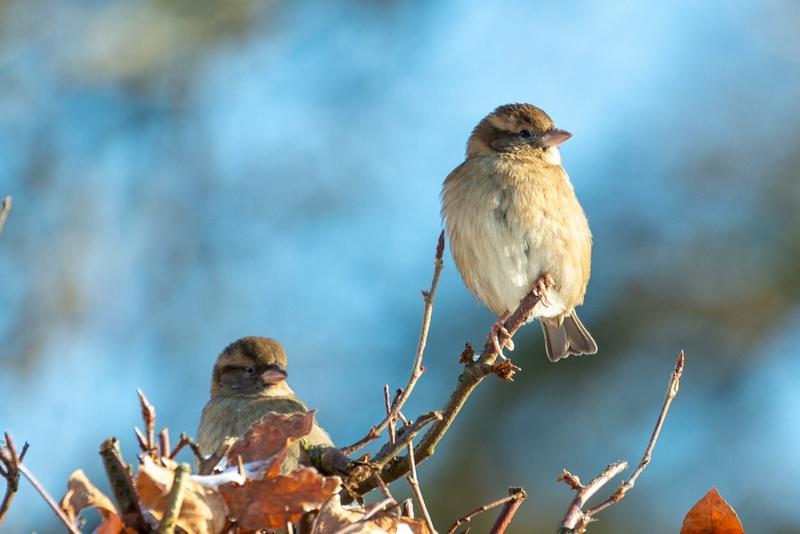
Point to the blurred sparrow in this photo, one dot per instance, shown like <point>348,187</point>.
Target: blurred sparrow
<point>515,225</point>
<point>249,381</point>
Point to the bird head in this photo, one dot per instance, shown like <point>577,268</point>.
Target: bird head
<point>250,366</point>
<point>519,128</point>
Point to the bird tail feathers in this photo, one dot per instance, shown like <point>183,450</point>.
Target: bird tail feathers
<point>568,337</point>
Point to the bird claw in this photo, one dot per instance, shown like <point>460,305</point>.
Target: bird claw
<point>500,337</point>
<point>543,283</point>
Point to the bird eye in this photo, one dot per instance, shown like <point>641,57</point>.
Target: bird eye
<point>525,134</point>
<point>250,370</point>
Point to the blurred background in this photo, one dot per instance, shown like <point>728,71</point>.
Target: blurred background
<point>186,172</point>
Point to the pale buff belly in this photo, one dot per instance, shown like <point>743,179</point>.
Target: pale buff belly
<point>502,240</point>
<point>503,266</point>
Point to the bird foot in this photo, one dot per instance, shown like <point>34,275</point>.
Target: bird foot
<point>540,287</point>
<point>499,336</point>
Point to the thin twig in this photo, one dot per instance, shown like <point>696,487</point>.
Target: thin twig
<point>414,483</point>
<point>514,494</point>
<point>141,439</point>
<point>400,415</point>
<point>149,418</point>
<point>575,513</point>
<point>183,441</point>
<point>4,212</point>
<point>576,520</point>
<point>174,501</point>
<point>360,481</point>
<point>672,392</point>
<point>206,466</point>
<point>11,460</point>
<point>417,368</point>
<point>509,510</point>
<point>10,457</point>
<point>384,487</point>
<point>163,440</point>
<point>46,496</point>
<point>404,437</point>
<point>473,374</point>
<point>8,498</point>
<point>387,401</point>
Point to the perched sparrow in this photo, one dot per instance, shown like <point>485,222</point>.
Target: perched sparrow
<point>515,225</point>
<point>249,381</point>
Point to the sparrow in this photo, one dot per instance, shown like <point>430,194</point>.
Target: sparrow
<point>249,381</point>
<point>515,225</point>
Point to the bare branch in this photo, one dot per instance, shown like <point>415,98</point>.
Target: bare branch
<point>174,501</point>
<point>360,481</point>
<point>6,207</point>
<point>508,511</point>
<point>514,494</point>
<point>672,392</point>
<point>13,468</point>
<point>119,477</point>
<point>404,437</point>
<point>11,461</point>
<point>576,520</point>
<point>141,439</point>
<point>48,499</point>
<point>149,418</point>
<point>384,487</point>
<point>206,465</point>
<point>474,372</point>
<point>163,441</point>
<point>387,401</point>
<point>575,514</point>
<point>414,483</point>
<point>8,498</point>
<point>417,368</point>
<point>183,441</point>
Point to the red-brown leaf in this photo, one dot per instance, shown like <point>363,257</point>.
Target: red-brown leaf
<point>269,437</point>
<point>272,502</point>
<point>712,515</point>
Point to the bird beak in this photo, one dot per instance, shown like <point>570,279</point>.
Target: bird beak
<point>273,376</point>
<point>555,137</point>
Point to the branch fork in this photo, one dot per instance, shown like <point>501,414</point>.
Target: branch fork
<point>576,519</point>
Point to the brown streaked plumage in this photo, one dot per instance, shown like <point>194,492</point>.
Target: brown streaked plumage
<point>249,381</point>
<point>512,217</point>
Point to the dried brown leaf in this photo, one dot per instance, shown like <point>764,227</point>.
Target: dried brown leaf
<point>333,517</point>
<point>274,501</point>
<point>270,437</point>
<point>82,494</point>
<point>712,515</point>
<point>203,510</point>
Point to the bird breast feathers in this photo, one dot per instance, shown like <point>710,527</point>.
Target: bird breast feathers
<point>508,223</point>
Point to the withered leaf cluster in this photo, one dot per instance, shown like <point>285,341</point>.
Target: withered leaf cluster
<point>249,491</point>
